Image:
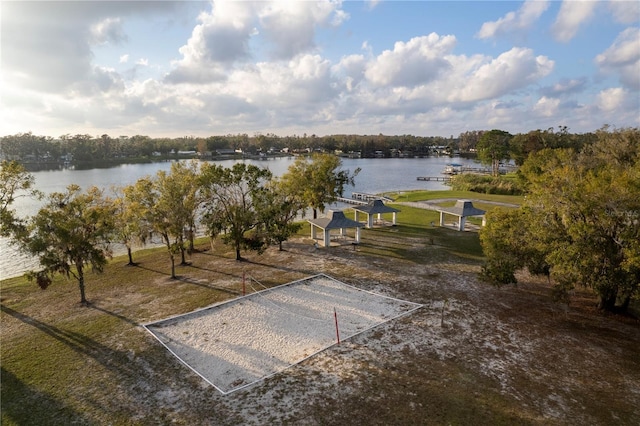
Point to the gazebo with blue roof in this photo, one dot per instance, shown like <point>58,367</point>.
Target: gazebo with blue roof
<point>463,209</point>
<point>335,219</point>
<point>375,207</point>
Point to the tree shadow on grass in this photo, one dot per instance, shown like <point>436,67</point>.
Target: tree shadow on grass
<point>136,374</point>
<point>207,285</point>
<point>281,267</point>
<point>25,405</point>
<point>214,271</point>
<point>152,270</point>
<point>118,362</point>
<point>74,340</point>
<point>194,281</point>
<point>113,314</point>
<point>210,253</point>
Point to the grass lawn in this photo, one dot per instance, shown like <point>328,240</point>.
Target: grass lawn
<point>474,354</point>
<point>420,195</point>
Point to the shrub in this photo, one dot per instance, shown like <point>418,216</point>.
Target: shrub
<point>502,185</point>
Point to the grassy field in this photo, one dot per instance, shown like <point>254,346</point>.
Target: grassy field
<point>474,354</point>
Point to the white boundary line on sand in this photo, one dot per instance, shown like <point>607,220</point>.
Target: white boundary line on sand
<point>259,294</point>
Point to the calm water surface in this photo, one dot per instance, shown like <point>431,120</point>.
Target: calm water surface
<point>377,175</point>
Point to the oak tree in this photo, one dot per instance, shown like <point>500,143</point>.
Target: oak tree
<point>15,181</point>
<point>277,210</point>
<point>230,196</point>
<point>160,202</point>
<point>318,180</point>
<point>131,228</point>
<point>71,233</point>
<point>493,147</point>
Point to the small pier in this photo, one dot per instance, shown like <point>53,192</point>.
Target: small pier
<point>352,201</point>
<point>434,178</point>
<point>362,196</point>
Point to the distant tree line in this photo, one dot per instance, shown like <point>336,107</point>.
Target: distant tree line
<point>83,148</point>
<point>243,205</point>
<point>80,149</point>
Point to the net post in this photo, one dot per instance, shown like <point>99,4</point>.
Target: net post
<point>335,316</point>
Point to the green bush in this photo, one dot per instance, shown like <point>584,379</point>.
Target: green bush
<point>503,185</point>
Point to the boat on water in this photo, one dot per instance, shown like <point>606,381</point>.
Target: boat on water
<point>452,169</point>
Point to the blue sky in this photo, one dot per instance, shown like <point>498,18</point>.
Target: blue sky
<point>431,68</point>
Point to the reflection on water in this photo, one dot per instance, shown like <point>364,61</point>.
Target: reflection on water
<point>377,175</point>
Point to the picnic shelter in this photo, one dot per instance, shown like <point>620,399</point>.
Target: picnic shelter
<point>373,208</point>
<point>335,220</point>
<point>462,210</point>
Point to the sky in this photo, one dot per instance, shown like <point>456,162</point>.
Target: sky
<point>426,68</point>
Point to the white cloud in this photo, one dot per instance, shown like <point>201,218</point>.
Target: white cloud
<point>511,70</point>
<point>625,11</point>
<point>290,26</point>
<point>228,83</point>
<point>611,99</point>
<point>300,84</point>
<point>51,42</point>
<point>623,58</point>
<point>565,87</point>
<point>547,107</point>
<point>371,4</point>
<point>222,40</point>
<point>108,30</point>
<point>352,69</point>
<point>415,62</point>
<point>467,82</point>
<point>33,58</point>
<point>513,22</point>
<point>572,15</point>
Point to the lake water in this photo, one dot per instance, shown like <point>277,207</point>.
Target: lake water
<point>377,175</point>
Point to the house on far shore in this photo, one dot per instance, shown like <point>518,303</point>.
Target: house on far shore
<point>225,151</point>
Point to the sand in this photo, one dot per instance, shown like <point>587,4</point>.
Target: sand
<point>240,342</point>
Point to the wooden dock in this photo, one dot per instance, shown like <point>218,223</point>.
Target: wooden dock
<point>352,201</point>
<point>434,178</point>
<point>362,196</point>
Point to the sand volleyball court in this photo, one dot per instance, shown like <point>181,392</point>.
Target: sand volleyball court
<point>234,344</point>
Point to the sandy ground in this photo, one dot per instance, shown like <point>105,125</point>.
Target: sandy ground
<point>235,344</point>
